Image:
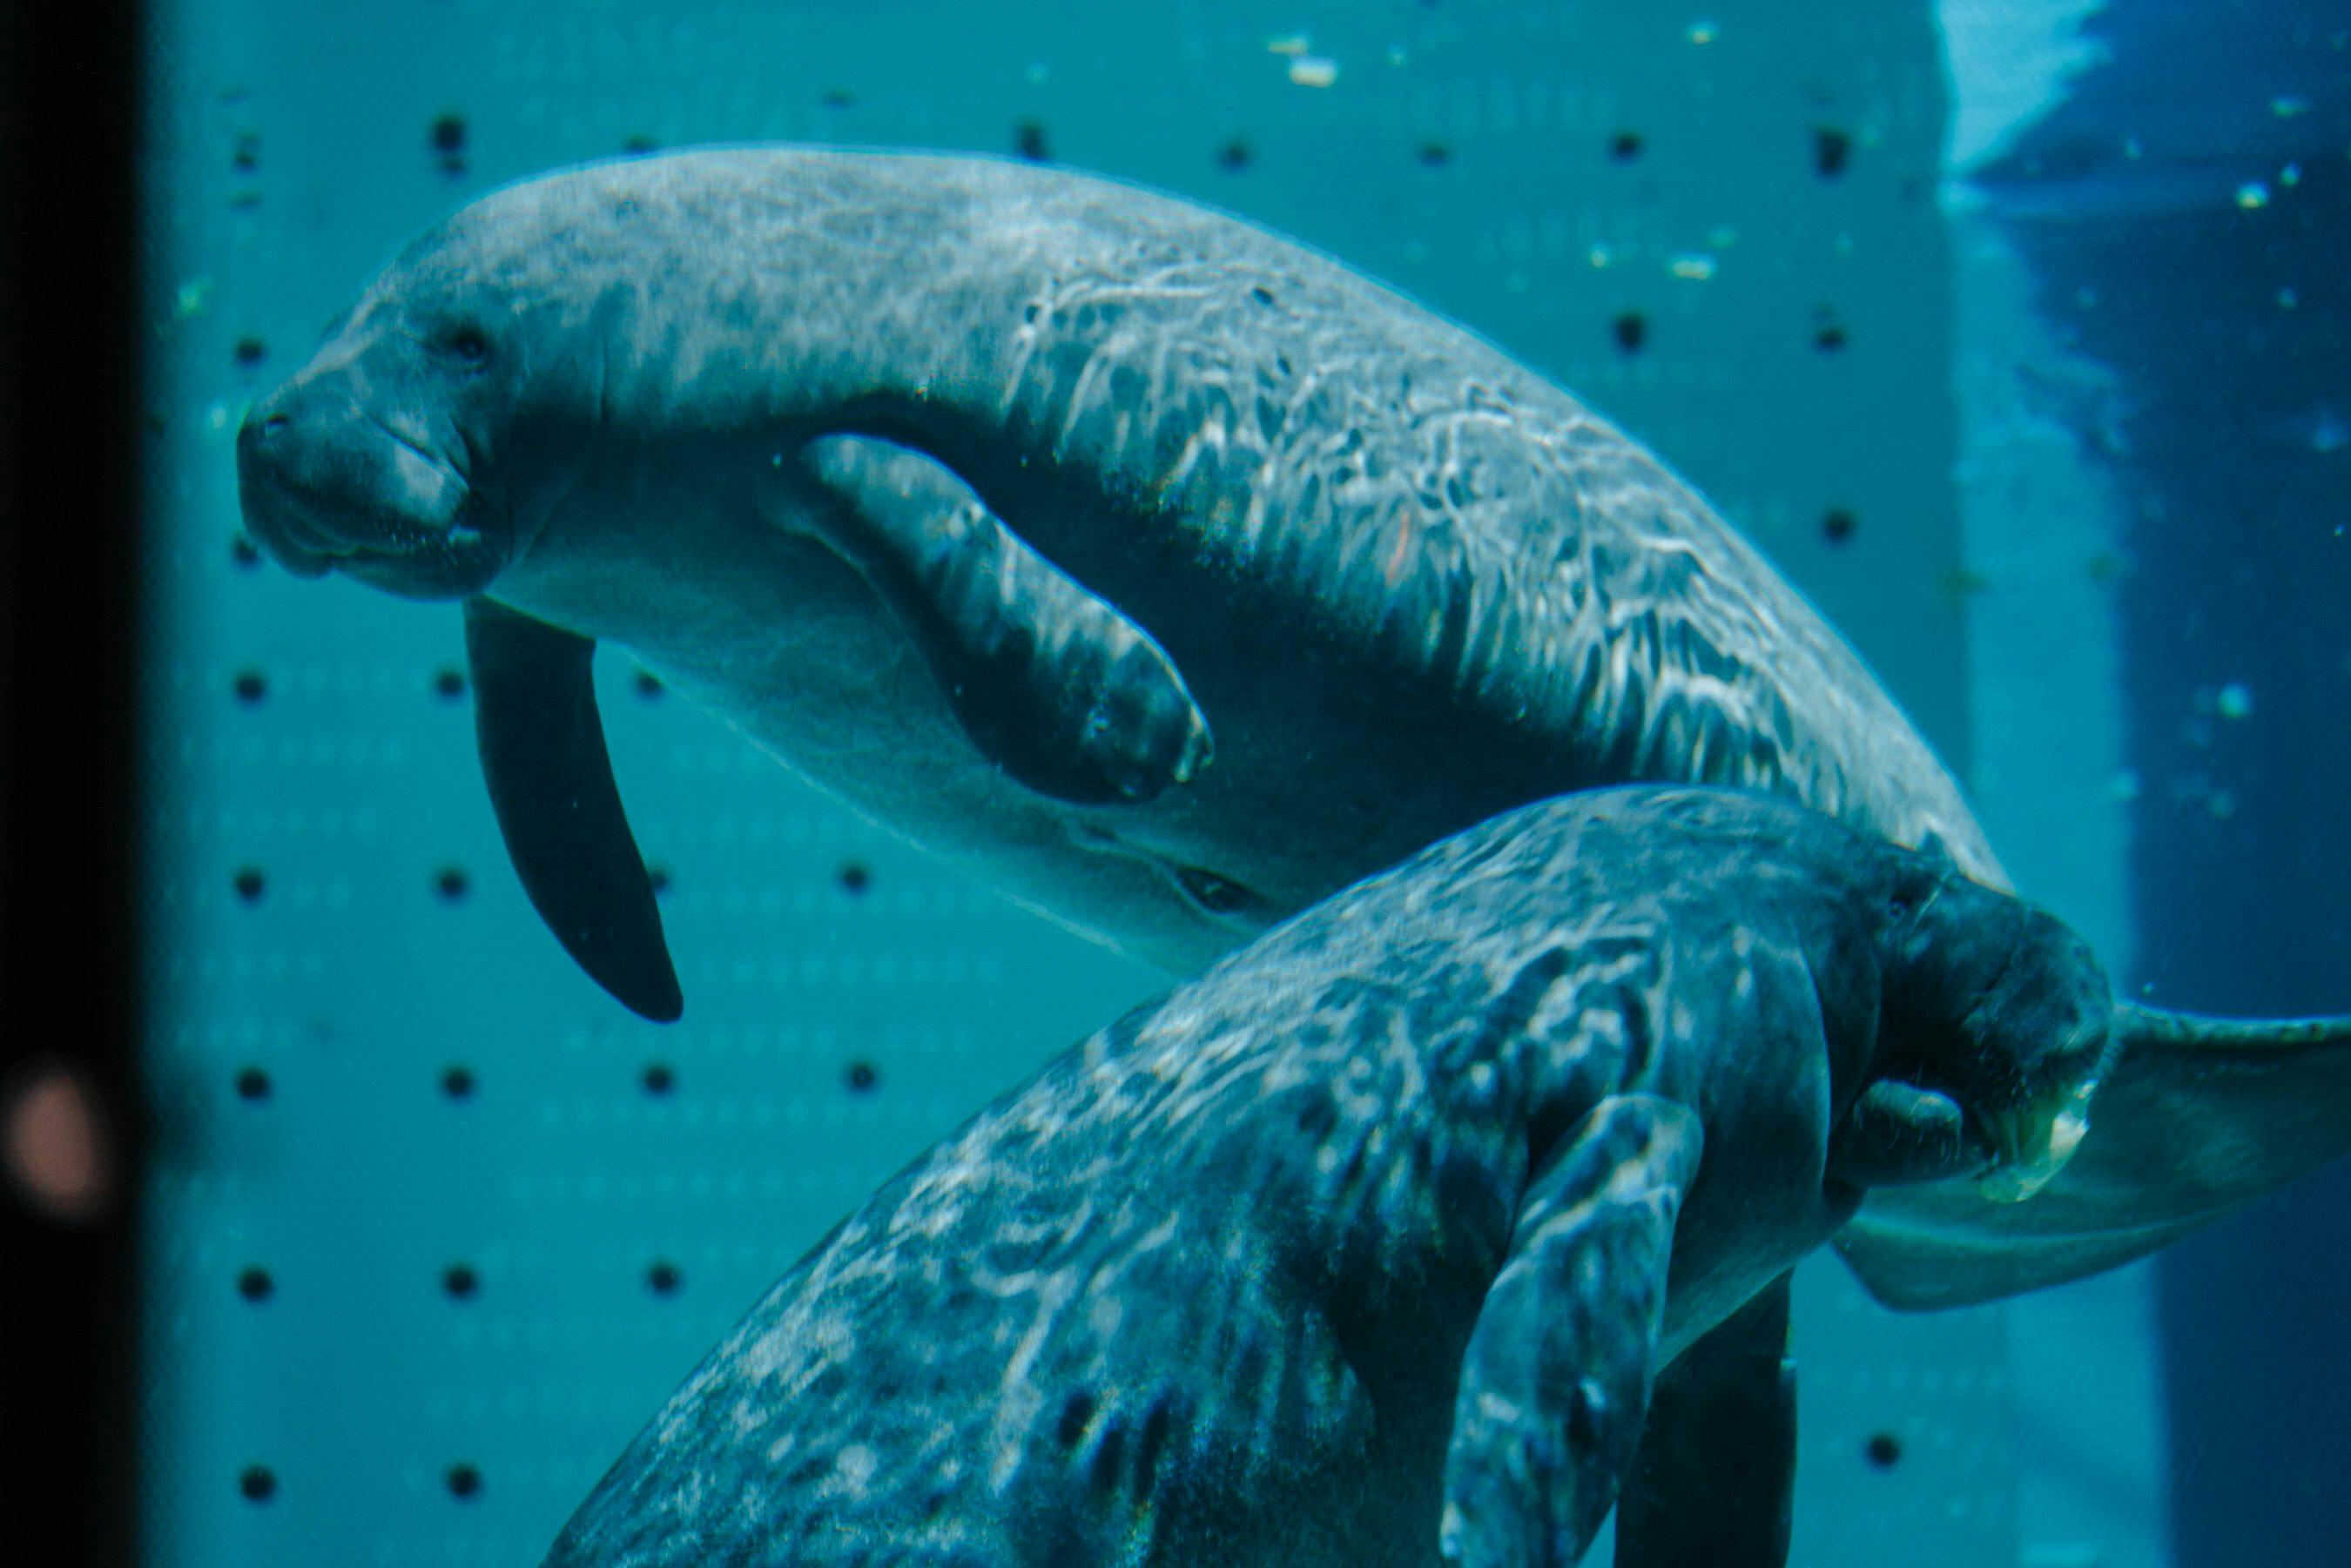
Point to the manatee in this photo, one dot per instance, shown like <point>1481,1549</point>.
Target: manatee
<point>1159,571</point>
<point>1368,1246</point>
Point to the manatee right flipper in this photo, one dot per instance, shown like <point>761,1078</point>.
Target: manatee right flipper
<point>1556,1382</point>
<point>1052,684</point>
<point>1713,1483</point>
<point>550,781</point>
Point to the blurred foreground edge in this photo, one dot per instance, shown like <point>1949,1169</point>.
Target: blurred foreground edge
<point>69,826</point>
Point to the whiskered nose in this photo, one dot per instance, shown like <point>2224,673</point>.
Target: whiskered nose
<point>321,480</point>
<point>269,482</point>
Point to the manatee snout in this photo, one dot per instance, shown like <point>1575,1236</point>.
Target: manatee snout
<point>2030,1021</point>
<point>2003,1008</point>
<point>2047,1021</point>
<point>327,483</point>
<point>2051,1009</point>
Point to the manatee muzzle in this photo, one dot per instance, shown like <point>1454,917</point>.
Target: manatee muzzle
<point>327,484</point>
<point>2049,1016</point>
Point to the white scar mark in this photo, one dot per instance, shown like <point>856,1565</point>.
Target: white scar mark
<point>1018,1400</point>
<point>1081,395</point>
<point>1213,436</point>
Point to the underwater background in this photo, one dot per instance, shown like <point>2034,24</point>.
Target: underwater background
<point>2017,334</point>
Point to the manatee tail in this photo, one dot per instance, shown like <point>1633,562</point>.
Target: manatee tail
<point>543,756</point>
<point>2196,1116</point>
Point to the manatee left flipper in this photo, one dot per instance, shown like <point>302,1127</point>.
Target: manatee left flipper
<point>1556,1381</point>
<point>1713,1483</point>
<point>550,781</point>
<point>1054,684</point>
<point>1900,1134</point>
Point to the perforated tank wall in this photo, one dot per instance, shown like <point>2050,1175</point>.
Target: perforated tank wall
<point>437,1226</point>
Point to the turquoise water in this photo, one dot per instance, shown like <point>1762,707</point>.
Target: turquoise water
<point>437,1227</point>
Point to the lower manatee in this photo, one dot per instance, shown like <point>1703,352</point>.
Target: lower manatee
<point>1367,1246</point>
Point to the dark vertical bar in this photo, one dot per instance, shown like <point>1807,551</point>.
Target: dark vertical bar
<point>69,824</point>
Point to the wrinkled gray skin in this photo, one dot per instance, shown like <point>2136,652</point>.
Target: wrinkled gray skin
<point>1303,577</point>
<point>1362,1248</point>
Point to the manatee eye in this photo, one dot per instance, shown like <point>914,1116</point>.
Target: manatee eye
<point>469,344</point>
<point>1913,892</point>
<point>1213,893</point>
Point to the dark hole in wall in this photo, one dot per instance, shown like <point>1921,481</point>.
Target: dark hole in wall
<point>1832,151</point>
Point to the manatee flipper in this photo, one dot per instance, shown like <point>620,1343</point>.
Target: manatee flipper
<point>2195,1117</point>
<point>1897,1134</point>
<point>1052,684</point>
<point>551,780</point>
<point>1556,1380</point>
<point>1713,1483</point>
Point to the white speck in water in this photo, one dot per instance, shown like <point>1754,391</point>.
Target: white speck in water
<point>1704,31</point>
<point>1288,43</point>
<point>2252,194</point>
<point>1396,55</point>
<point>1313,70</point>
<point>2235,700</point>
<point>1599,255</point>
<point>1696,266</point>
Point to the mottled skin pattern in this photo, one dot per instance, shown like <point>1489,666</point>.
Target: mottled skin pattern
<point>1336,579</point>
<point>1474,590</point>
<point>1362,1248</point>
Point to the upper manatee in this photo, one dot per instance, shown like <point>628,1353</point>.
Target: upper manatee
<point>1164,572</point>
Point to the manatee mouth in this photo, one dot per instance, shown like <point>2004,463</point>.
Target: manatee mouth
<point>2035,1140</point>
<point>356,495</point>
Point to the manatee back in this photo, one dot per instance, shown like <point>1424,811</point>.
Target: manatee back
<point>1471,583</point>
